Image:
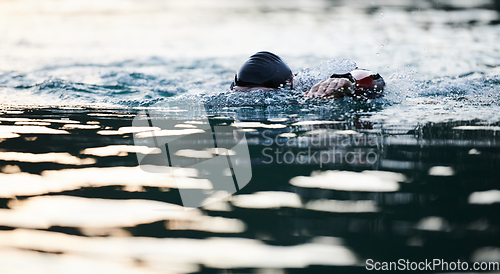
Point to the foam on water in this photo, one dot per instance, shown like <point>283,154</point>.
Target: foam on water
<point>406,99</point>
<point>167,83</point>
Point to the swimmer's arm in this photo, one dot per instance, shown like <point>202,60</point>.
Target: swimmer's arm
<point>331,87</point>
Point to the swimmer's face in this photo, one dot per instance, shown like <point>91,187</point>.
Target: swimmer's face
<point>238,88</point>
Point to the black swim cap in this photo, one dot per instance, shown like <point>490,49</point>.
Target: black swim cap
<point>263,69</point>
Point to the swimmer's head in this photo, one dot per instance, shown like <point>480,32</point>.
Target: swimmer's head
<point>263,70</point>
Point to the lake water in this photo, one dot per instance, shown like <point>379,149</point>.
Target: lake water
<point>101,100</point>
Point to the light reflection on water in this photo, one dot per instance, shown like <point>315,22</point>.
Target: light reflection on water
<point>291,215</point>
<point>183,255</point>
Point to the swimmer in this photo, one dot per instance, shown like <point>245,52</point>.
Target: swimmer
<point>266,71</point>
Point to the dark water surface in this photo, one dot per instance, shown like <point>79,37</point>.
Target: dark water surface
<point>389,193</point>
<point>86,183</point>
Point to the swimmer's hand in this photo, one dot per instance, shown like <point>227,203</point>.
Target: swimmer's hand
<point>331,87</point>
